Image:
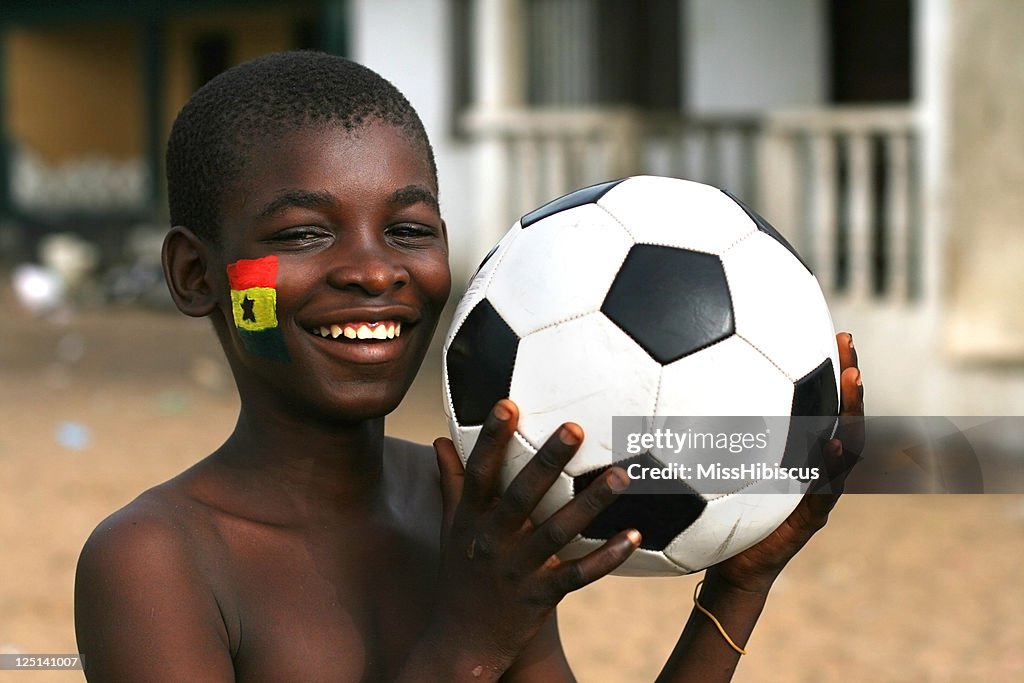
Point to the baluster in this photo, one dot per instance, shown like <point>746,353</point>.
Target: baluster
<point>778,179</point>
<point>556,175</point>
<point>860,258</point>
<point>897,217</point>
<point>527,172</point>
<point>823,233</point>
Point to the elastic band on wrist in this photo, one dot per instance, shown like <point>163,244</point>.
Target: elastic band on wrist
<point>714,620</point>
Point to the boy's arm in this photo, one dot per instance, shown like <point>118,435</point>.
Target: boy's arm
<point>143,612</point>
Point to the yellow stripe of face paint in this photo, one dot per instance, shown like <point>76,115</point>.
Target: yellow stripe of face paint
<point>254,309</point>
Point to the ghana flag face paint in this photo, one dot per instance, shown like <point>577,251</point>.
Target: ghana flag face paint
<point>254,306</point>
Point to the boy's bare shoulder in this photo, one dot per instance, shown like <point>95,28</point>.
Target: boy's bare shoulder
<point>159,522</point>
<point>161,538</point>
<point>148,565</point>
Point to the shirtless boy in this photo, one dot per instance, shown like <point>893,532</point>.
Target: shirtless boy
<point>309,546</point>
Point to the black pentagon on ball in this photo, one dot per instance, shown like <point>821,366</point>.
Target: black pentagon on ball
<point>659,517</point>
<point>671,301</point>
<point>480,360</point>
<point>768,229</point>
<point>815,409</point>
<point>586,195</point>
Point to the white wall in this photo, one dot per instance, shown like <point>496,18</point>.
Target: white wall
<point>746,56</point>
<point>407,42</point>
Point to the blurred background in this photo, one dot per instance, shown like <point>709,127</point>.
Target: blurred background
<point>882,137</point>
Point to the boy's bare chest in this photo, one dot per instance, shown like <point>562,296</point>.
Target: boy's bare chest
<point>322,608</point>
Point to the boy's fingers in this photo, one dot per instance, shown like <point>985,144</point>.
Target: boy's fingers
<point>483,467</point>
<point>851,411</point>
<point>830,484</point>
<point>573,517</point>
<point>847,351</point>
<point>537,476</point>
<point>570,576</point>
<point>452,478</point>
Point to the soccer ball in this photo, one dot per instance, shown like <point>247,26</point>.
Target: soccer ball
<point>655,298</point>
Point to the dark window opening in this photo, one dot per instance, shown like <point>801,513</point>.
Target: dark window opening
<point>211,55</point>
<point>870,51</point>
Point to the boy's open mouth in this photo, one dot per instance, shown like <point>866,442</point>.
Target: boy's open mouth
<point>361,331</point>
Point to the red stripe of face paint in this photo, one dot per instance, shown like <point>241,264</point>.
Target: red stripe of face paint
<point>246,273</point>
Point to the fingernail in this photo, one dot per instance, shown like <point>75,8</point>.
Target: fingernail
<point>618,481</point>
<point>859,381</point>
<point>851,340</point>
<point>501,412</point>
<point>634,536</point>
<point>568,436</point>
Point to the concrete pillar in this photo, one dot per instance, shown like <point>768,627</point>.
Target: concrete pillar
<point>498,85</point>
<point>985,240</point>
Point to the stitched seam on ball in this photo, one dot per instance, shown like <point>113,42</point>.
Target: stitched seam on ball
<point>766,357</point>
<point>736,242</point>
<point>461,447</point>
<point>657,392</point>
<point>561,321</point>
<point>622,225</point>
<point>583,314</point>
<point>499,256</point>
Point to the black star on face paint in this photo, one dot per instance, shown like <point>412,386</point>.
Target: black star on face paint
<point>247,312</point>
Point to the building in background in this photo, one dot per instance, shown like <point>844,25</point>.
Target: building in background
<point>881,136</point>
<point>88,91</point>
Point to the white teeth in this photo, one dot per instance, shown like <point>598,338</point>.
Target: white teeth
<point>373,330</point>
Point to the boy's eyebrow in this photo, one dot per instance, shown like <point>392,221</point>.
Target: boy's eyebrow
<point>414,194</point>
<point>300,198</point>
<point>406,196</point>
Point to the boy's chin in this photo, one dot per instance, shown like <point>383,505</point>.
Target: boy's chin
<point>359,403</point>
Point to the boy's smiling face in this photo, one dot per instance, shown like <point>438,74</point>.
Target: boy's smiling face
<point>353,219</point>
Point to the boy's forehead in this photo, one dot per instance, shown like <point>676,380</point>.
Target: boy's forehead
<point>372,136</point>
<point>318,156</point>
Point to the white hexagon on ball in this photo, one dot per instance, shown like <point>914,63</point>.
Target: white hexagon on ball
<point>649,208</point>
<point>590,365</point>
<point>778,305</point>
<point>563,265</point>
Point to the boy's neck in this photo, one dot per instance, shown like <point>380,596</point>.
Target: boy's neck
<point>309,468</point>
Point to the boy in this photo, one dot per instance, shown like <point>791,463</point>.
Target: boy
<point>303,195</point>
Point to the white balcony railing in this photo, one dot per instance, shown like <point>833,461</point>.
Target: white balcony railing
<point>846,184</point>
<point>841,184</point>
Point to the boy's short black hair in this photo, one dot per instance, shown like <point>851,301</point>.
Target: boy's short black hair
<point>272,95</point>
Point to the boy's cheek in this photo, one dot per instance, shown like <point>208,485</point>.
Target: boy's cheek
<point>253,286</point>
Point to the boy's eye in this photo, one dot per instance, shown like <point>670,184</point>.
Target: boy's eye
<point>411,231</point>
<point>301,234</point>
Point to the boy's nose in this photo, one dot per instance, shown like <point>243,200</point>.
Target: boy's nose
<point>371,269</point>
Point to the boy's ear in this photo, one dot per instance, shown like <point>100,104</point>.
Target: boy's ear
<point>186,261</point>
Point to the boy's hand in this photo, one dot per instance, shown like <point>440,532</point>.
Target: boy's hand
<point>756,568</point>
<point>500,578</point>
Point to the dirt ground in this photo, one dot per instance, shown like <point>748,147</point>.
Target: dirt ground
<point>99,406</point>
